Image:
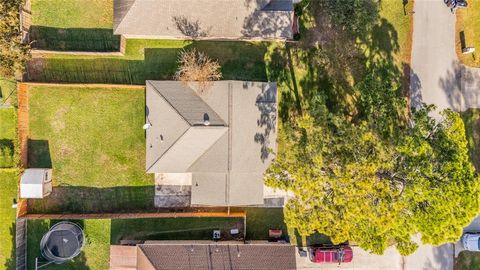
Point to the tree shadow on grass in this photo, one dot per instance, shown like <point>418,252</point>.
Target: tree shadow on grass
<point>10,262</point>
<point>471,119</point>
<point>74,39</point>
<point>6,153</point>
<point>334,56</point>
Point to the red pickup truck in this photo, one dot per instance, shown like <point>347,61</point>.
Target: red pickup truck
<point>342,254</point>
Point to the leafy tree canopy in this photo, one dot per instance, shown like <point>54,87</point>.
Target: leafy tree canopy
<point>362,167</point>
<point>13,53</point>
<point>353,185</point>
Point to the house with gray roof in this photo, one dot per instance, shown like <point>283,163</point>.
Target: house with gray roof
<point>204,19</point>
<point>219,142</point>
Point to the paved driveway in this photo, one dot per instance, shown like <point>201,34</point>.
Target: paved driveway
<point>437,77</point>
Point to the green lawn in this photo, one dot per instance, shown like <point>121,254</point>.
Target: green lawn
<point>305,72</point>
<point>94,141</point>
<point>7,137</point>
<point>77,25</point>
<point>8,191</point>
<point>399,17</point>
<point>8,95</point>
<point>95,254</point>
<point>149,60</point>
<point>468,32</point>
<point>471,118</point>
<point>172,228</point>
<point>468,260</point>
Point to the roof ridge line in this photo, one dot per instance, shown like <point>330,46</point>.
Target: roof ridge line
<point>179,137</point>
<point>171,105</point>
<point>195,93</point>
<point>204,153</point>
<point>183,134</point>
<point>114,28</point>
<point>148,257</point>
<point>200,97</point>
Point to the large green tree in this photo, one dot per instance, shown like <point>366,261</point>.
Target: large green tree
<point>13,52</point>
<point>354,185</point>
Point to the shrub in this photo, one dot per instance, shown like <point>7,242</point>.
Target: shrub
<point>197,66</point>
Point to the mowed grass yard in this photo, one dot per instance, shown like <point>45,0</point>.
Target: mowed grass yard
<point>8,191</point>
<point>73,25</point>
<point>468,22</point>
<point>7,137</point>
<point>471,119</point>
<point>150,60</point>
<point>8,95</point>
<point>94,256</point>
<point>94,141</point>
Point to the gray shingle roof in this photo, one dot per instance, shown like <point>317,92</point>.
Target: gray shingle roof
<point>227,161</point>
<point>220,256</point>
<point>207,19</point>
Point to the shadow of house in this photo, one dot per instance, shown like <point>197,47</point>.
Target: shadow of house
<point>83,200</point>
<point>39,154</point>
<point>74,39</point>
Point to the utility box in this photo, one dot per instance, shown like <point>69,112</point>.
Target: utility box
<point>36,183</point>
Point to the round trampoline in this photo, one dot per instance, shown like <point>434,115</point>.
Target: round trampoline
<point>62,242</point>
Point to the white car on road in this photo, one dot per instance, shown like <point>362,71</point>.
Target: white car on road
<point>471,241</point>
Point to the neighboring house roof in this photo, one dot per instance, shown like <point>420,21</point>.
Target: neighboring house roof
<point>216,256</point>
<point>228,157</point>
<point>204,19</point>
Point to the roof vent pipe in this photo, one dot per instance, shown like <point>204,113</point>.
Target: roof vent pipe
<point>206,119</point>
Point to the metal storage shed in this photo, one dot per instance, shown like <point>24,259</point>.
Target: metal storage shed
<point>36,183</point>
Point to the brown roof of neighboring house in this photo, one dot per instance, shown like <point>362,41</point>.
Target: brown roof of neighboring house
<point>216,256</point>
<point>204,19</point>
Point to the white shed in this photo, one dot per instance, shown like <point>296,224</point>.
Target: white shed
<point>36,183</point>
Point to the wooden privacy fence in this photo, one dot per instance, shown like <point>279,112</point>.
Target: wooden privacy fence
<point>137,215</point>
<point>21,244</point>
